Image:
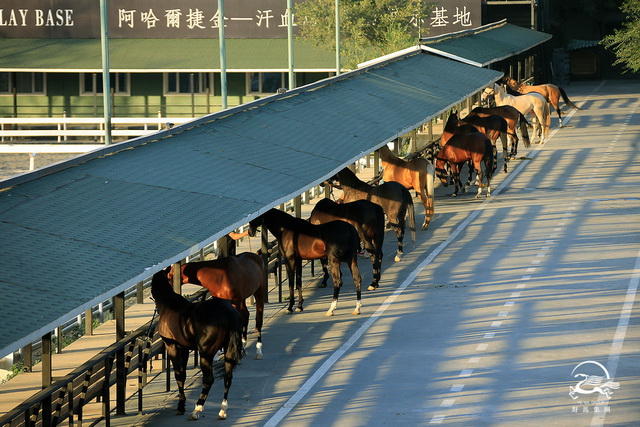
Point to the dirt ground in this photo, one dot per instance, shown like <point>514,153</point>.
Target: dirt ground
<point>14,164</point>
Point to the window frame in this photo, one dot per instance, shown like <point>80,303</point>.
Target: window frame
<point>13,84</point>
<point>94,81</point>
<point>284,77</point>
<point>205,80</point>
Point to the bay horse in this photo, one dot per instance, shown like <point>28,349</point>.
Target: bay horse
<point>233,278</point>
<point>531,103</point>
<point>395,199</point>
<point>368,220</point>
<point>512,116</point>
<point>461,148</point>
<point>298,239</point>
<point>417,174</point>
<point>551,93</point>
<point>206,326</point>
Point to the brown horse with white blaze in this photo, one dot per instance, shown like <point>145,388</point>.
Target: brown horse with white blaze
<point>417,174</point>
<point>233,278</point>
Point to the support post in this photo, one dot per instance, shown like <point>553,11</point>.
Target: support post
<point>121,373</point>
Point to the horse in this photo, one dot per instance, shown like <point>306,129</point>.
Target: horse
<point>493,126</point>
<point>233,278</point>
<point>298,239</point>
<point>206,326</point>
<point>417,173</point>
<point>395,199</point>
<point>531,103</point>
<point>368,220</point>
<point>512,116</point>
<point>461,148</point>
<point>551,93</point>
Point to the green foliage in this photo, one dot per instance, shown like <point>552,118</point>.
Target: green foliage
<point>625,42</point>
<point>368,28</point>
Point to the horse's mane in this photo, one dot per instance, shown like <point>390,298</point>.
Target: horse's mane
<point>290,222</point>
<point>349,178</point>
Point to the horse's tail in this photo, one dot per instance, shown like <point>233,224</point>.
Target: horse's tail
<point>525,132</point>
<point>566,99</point>
<point>491,162</point>
<point>234,351</point>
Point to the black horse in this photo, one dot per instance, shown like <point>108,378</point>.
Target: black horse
<point>206,326</point>
<point>298,239</point>
<point>368,220</point>
<point>392,196</point>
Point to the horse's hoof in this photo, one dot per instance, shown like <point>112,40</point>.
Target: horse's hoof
<point>454,195</point>
<point>258,356</point>
<point>329,313</point>
<point>356,312</point>
<point>425,226</point>
<point>322,285</point>
<point>289,311</point>
<point>397,258</point>
<point>299,309</point>
<point>179,412</point>
<point>372,288</point>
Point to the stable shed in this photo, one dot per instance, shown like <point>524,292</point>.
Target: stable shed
<point>82,231</point>
<point>485,45</point>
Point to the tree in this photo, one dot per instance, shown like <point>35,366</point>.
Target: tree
<point>625,42</point>
<point>368,28</point>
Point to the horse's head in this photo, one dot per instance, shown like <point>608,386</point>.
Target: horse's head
<point>184,277</point>
<point>334,181</point>
<point>253,226</point>
<point>487,92</point>
<point>452,121</point>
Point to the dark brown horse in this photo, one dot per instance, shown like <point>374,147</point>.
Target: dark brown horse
<point>512,116</point>
<point>298,239</point>
<point>551,92</point>
<point>461,148</point>
<point>494,127</point>
<point>417,173</point>
<point>394,198</point>
<point>368,220</point>
<point>206,326</point>
<point>453,127</point>
<point>234,278</point>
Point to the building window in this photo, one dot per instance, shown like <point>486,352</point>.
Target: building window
<point>91,83</point>
<point>187,83</point>
<point>24,83</point>
<point>266,83</point>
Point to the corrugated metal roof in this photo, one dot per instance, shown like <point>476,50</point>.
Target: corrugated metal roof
<point>82,231</point>
<point>135,55</point>
<point>487,44</point>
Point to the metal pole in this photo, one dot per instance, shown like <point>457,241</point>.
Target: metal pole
<point>292,82</point>
<point>106,81</point>
<point>223,55</point>
<point>337,37</point>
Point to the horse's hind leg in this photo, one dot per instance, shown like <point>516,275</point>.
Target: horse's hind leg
<point>357,281</point>
<point>325,272</point>
<point>336,274</point>
<point>207,382</point>
<point>291,265</point>
<point>376,260</point>
<point>400,236</point>
<point>259,296</point>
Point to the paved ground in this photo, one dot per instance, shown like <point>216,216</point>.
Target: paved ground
<point>489,317</point>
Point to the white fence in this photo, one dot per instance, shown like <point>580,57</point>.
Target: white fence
<point>63,135</point>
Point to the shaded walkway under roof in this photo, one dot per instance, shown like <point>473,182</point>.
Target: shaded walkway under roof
<point>79,232</point>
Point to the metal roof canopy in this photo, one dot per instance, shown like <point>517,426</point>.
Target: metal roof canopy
<point>81,231</point>
<point>160,55</point>
<point>485,45</point>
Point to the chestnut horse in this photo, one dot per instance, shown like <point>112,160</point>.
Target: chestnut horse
<point>551,92</point>
<point>417,173</point>
<point>461,148</point>
<point>512,116</point>
<point>234,278</point>
<point>368,220</point>
<point>206,326</point>
<point>395,199</point>
<point>298,239</point>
